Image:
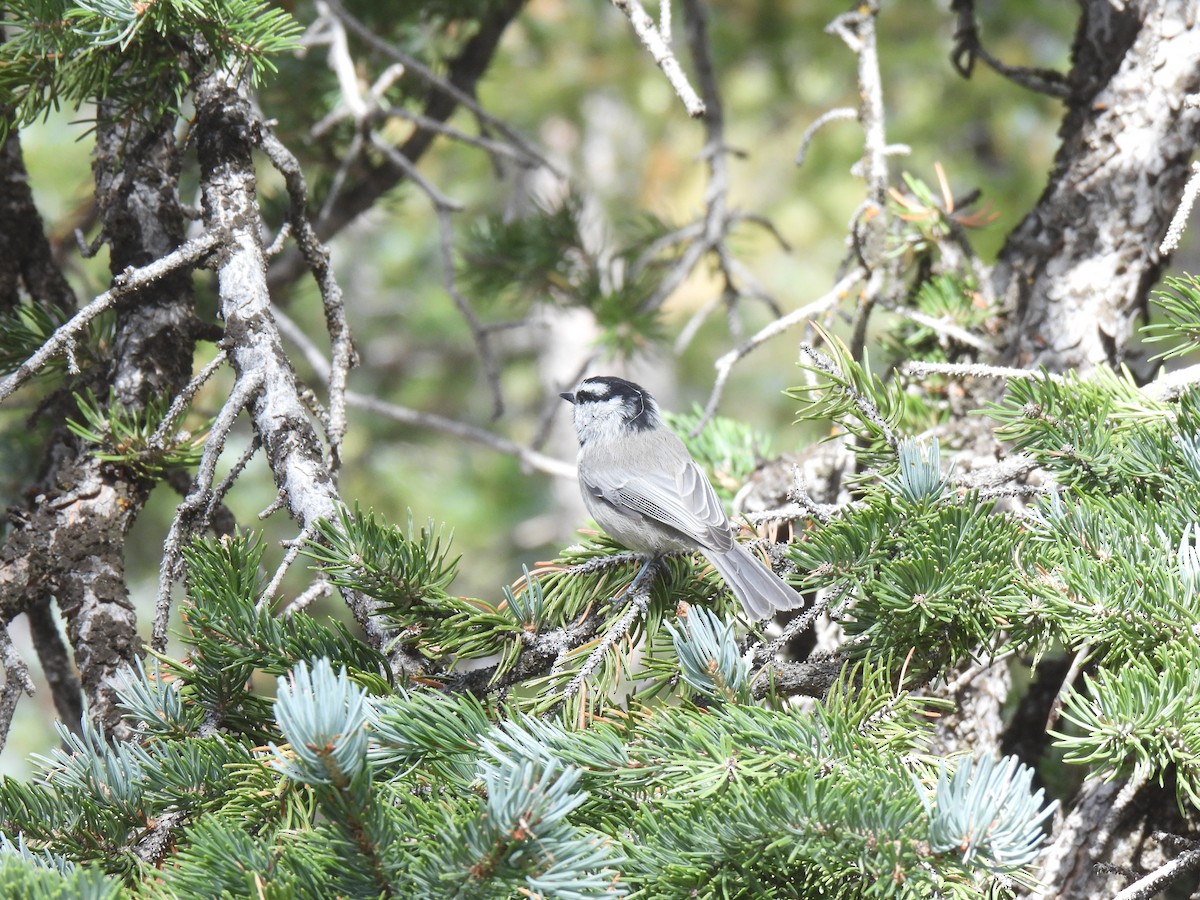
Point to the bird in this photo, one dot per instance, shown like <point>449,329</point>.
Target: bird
<point>643,488</point>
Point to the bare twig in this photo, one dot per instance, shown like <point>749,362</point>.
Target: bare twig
<point>917,368</point>
<point>183,399</point>
<point>183,524</point>
<point>811,678</point>
<point>222,488</point>
<point>483,143</point>
<point>725,364</point>
<point>692,327</point>
<point>57,666</point>
<point>971,673</point>
<point>968,48</point>
<point>1169,385</point>
<point>798,624</point>
<point>652,39</point>
<point>316,254</point>
<point>1060,700</point>
<point>857,30</point>
<point>440,201</point>
<point>349,160</point>
<point>991,477</point>
<point>279,241</point>
<point>293,551</point>
<point>553,405</point>
<point>948,329</point>
<point>529,457</point>
<point>541,652</point>
<point>318,589</point>
<point>712,233</point>
<point>1153,883</point>
<point>638,593</point>
<point>156,841</point>
<point>838,114</point>
<point>532,458</point>
<point>685,234</point>
<point>438,83</point>
<point>820,511</point>
<point>128,282</point>
<point>327,30</point>
<point>443,206</point>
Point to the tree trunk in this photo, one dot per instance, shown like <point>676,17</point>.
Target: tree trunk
<point>1075,273</point>
<point>68,539</point>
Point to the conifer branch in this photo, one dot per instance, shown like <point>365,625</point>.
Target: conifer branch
<point>847,378</point>
<point>191,254</point>
<point>639,600</point>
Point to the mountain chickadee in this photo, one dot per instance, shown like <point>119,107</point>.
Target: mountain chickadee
<point>642,487</point>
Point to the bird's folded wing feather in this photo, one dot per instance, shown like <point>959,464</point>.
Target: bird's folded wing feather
<point>686,502</point>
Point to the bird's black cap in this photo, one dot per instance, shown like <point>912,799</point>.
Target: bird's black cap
<point>610,387</point>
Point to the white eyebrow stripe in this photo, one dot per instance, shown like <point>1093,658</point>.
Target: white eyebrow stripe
<point>594,392</point>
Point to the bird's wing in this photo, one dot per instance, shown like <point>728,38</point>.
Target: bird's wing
<point>679,497</point>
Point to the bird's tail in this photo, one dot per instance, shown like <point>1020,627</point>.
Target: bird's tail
<point>761,591</point>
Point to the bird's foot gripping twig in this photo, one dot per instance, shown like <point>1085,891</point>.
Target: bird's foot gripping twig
<point>638,593</point>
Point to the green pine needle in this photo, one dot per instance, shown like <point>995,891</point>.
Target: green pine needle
<point>402,568</point>
<point>1180,306</point>
<point>127,437</point>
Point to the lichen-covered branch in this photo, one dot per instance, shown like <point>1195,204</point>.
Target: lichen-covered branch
<point>225,126</point>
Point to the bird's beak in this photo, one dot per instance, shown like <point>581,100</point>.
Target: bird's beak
<point>568,396</point>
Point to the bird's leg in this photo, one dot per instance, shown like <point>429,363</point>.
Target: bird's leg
<point>639,594</point>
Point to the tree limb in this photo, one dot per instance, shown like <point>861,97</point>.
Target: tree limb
<point>224,121</point>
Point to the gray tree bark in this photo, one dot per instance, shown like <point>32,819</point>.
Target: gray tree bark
<point>1076,272</point>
